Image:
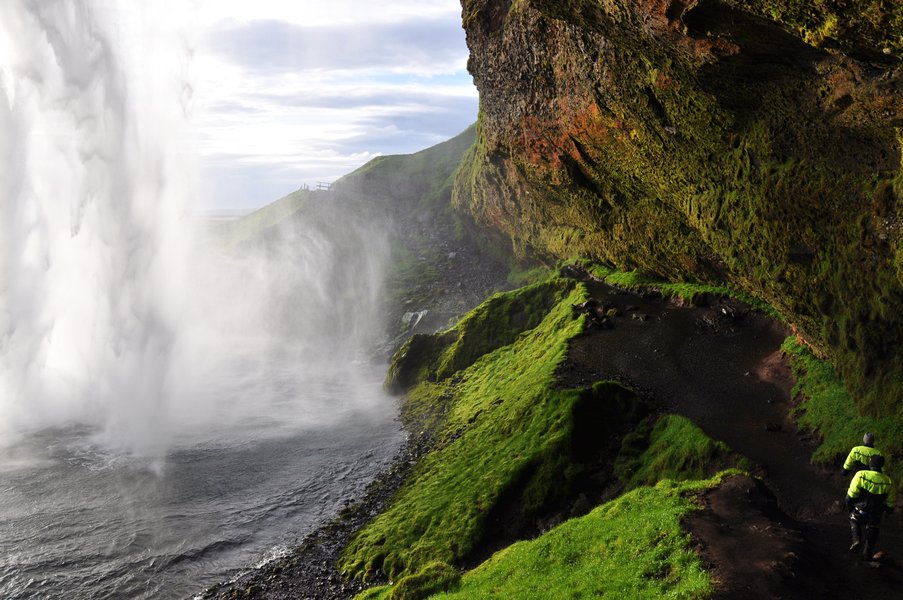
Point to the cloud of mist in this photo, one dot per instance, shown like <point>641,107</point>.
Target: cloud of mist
<point>113,313</point>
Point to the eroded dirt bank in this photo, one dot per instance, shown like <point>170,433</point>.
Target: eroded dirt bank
<point>720,365</point>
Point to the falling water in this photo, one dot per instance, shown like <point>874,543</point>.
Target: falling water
<point>163,400</point>
<point>94,244</point>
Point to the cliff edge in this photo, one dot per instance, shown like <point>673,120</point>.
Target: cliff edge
<point>755,144</point>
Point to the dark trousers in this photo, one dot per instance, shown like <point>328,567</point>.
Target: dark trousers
<point>859,521</point>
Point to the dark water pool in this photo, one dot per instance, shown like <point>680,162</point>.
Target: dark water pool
<point>80,521</point>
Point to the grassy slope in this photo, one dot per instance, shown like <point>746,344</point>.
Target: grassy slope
<point>505,421</point>
<point>495,323</point>
<point>389,184</point>
<point>253,224</point>
<point>507,431</point>
<point>828,409</point>
<point>632,547</point>
<point>672,447</point>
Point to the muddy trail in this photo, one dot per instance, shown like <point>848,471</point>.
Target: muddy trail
<point>721,366</point>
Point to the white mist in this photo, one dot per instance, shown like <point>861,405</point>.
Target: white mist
<point>171,410</point>
<point>113,314</point>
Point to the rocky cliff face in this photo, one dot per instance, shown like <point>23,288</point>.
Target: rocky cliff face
<point>756,143</point>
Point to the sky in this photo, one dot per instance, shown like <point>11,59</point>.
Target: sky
<point>295,93</point>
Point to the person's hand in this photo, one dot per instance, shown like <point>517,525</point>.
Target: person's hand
<point>849,502</point>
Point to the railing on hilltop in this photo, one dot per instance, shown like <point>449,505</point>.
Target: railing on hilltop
<point>321,186</point>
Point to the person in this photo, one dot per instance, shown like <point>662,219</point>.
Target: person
<point>871,494</point>
<point>858,458</point>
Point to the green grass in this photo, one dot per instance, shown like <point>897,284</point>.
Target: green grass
<point>672,447</point>
<point>829,411</point>
<point>432,579</point>
<point>495,323</point>
<point>630,548</point>
<point>501,415</point>
<point>634,280</point>
<point>508,433</point>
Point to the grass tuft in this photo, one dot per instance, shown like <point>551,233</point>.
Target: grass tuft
<point>689,292</point>
<point>827,409</point>
<point>631,547</point>
<point>672,447</point>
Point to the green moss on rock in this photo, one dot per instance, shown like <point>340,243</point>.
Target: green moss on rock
<point>495,323</point>
<point>507,439</point>
<point>707,142</point>
<point>434,578</point>
<point>868,28</point>
<point>671,447</point>
<point>631,547</point>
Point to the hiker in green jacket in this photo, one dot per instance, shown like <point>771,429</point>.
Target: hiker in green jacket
<point>858,458</point>
<point>870,496</point>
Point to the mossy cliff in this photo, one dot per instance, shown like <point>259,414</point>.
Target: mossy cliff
<point>754,144</point>
<point>511,448</point>
<point>514,452</point>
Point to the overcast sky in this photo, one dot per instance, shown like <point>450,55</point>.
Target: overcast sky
<point>293,93</point>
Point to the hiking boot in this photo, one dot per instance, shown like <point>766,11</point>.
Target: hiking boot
<point>855,547</point>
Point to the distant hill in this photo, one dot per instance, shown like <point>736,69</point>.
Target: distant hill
<point>442,265</point>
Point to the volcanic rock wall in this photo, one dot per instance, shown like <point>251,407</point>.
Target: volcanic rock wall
<point>754,143</point>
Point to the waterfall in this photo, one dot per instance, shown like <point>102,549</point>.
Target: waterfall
<point>113,313</point>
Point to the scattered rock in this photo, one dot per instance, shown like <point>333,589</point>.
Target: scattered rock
<point>599,316</point>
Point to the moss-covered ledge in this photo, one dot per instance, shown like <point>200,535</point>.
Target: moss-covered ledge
<point>510,445</point>
<point>634,547</point>
<point>495,323</point>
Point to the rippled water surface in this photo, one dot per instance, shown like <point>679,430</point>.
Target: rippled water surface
<point>78,521</point>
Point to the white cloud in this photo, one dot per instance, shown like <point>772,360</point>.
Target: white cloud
<point>316,13</point>
<point>295,93</point>
<point>413,46</point>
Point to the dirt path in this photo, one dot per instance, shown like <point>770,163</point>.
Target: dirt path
<point>722,368</point>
